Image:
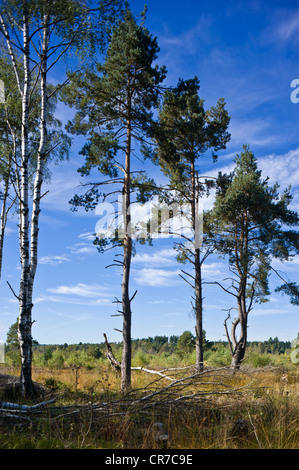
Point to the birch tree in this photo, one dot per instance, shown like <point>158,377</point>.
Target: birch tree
<point>10,141</point>
<point>41,32</point>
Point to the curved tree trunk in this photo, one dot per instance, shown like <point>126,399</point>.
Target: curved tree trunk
<point>239,345</point>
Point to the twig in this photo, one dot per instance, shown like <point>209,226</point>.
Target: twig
<point>254,430</point>
<point>13,291</point>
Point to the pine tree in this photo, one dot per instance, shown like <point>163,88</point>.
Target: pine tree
<point>114,108</point>
<point>184,133</point>
<point>252,225</point>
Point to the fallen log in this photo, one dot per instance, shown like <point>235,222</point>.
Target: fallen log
<point>16,406</point>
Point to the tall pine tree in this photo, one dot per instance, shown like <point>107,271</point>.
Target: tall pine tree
<point>114,108</point>
<point>184,133</point>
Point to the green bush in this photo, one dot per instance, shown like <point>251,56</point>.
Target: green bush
<point>81,358</point>
<point>259,360</point>
<point>218,356</point>
<point>57,359</point>
<point>140,358</point>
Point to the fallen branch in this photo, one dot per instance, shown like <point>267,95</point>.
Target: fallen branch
<point>152,372</point>
<point>16,406</point>
<point>117,365</point>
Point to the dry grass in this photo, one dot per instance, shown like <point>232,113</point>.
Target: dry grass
<point>255,408</point>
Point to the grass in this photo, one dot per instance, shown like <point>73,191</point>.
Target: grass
<point>262,415</point>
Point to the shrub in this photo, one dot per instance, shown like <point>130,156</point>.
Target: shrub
<point>57,359</point>
<point>259,360</point>
<point>140,358</point>
<point>218,356</point>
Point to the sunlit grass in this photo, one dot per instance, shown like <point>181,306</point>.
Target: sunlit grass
<point>257,408</point>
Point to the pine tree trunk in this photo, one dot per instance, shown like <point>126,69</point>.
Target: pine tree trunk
<point>126,304</point>
<point>197,277</point>
<point>239,346</point>
<point>238,356</point>
<point>198,310</point>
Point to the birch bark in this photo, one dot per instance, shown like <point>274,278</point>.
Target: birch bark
<point>25,302</point>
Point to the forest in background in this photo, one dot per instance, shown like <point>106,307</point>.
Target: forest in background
<point>158,351</point>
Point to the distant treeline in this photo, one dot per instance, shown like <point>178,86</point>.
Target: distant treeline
<point>165,344</point>
<point>157,351</point>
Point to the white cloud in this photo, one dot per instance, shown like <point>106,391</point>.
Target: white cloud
<point>164,257</point>
<point>79,294</point>
<point>281,168</point>
<point>187,41</point>
<point>213,270</point>
<point>53,260</point>
<point>268,311</point>
<point>9,230</point>
<point>82,249</point>
<point>287,28</point>
<point>80,289</point>
<point>157,277</point>
<point>253,132</point>
<point>87,236</point>
<point>71,301</point>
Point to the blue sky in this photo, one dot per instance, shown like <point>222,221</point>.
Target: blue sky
<point>243,51</point>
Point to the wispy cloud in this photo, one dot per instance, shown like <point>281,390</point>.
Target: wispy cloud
<point>187,40</point>
<point>254,132</point>
<point>268,311</point>
<point>160,258</point>
<point>87,236</point>
<point>53,260</point>
<point>157,277</point>
<point>82,249</point>
<point>80,289</point>
<point>282,168</point>
<point>71,300</point>
<point>78,294</point>
<point>285,27</point>
<point>213,270</point>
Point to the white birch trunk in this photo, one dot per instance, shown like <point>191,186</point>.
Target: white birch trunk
<point>26,377</point>
<point>25,302</point>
